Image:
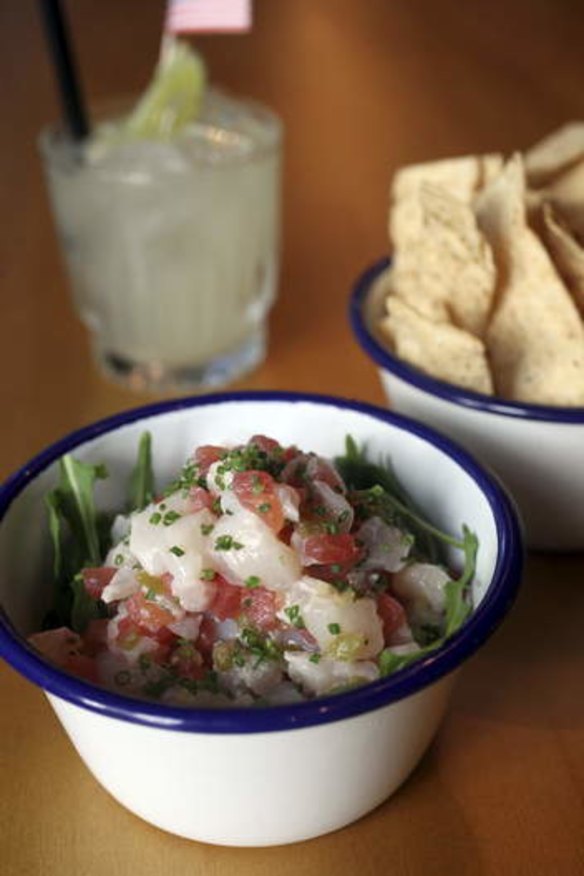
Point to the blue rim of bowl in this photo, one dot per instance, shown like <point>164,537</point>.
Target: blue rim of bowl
<point>495,604</point>
<point>447,391</point>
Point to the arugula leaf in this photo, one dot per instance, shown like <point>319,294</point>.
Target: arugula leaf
<point>76,533</point>
<point>142,477</point>
<point>390,662</point>
<point>53,506</point>
<point>457,605</point>
<point>378,487</point>
<point>377,490</point>
<point>359,473</point>
<point>457,610</point>
<point>75,495</point>
<point>84,608</point>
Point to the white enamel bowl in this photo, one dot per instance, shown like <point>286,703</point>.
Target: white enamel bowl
<point>258,776</point>
<point>537,450</point>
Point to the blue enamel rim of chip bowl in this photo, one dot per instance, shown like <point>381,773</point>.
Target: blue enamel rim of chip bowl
<point>496,602</point>
<point>447,391</point>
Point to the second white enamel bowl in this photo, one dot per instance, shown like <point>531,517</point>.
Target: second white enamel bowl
<point>537,451</point>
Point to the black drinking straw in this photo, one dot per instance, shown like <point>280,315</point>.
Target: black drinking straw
<point>68,80</point>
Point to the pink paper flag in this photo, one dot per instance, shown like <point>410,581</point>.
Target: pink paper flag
<point>207,16</point>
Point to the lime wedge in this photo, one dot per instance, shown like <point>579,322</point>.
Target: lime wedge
<point>171,101</point>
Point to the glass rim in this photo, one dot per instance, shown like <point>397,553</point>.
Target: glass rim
<point>58,149</point>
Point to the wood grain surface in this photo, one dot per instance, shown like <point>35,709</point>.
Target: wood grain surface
<point>363,86</point>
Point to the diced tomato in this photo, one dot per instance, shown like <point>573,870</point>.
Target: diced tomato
<point>199,498</point>
<point>207,638</point>
<point>130,632</point>
<point>268,445</point>
<point>324,549</point>
<point>187,662</point>
<point>206,455</point>
<point>226,602</point>
<point>148,614</point>
<point>256,490</point>
<point>95,579</point>
<point>334,573</point>
<point>58,645</point>
<point>82,666</point>
<point>165,636</point>
<point>95,635</point>
<point>286,533</point>
<point>259,607</point>
<point>392,614</point>
<point>290,453</point>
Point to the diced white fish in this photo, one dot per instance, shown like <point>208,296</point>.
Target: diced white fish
<point>203,699</point>
<point>257,676</point>
<point>404,648</point>
<point>115,670</point>
<point>187,627</point>
<point>180,549</point>
<point>120,555</point>
<point>402,636</point>
<point>218,481</point>
<point>335,504</point>
<point>344,627</point>
<point>123,584</point>
<point>120,527</point>
<point>387,546</point>
<point>422,587</point>
<point>244,546</point>
<point>283,694</point>
<point>143,644</point>
<point>327,675</point>
<point>290,502</point>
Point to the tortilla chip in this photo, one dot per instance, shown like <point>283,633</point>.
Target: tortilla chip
<point>441,350</point>
<point>535,340</point>
<point>567,254</point>
<point>448,272</point>
<point>461,177</point>
<point>554,154</point>
<point>566,193</point>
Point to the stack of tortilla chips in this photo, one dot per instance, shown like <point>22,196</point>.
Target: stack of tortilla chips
<point>486,288</point>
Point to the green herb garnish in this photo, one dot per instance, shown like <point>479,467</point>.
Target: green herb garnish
<point>294,616</point>
<point>142,477</point>
<point>227,543</point>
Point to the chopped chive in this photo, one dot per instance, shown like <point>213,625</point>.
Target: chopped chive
<point>155,518</point>
<point>177,551</point>
<point>227,543</point>
<point>264,507</point>
<point>207,528</point>
<point>294,616</point>
<point>334,629</point>
<point>314,658</point>
<point>252,581</point>
<point>208,574</point>
<point>170,517</point>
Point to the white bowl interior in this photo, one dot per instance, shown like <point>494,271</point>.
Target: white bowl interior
<point>439,484</point>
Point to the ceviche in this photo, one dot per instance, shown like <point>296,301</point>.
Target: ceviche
<point>263,574</point>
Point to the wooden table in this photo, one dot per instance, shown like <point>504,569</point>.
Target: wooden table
<point>363,86</point>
